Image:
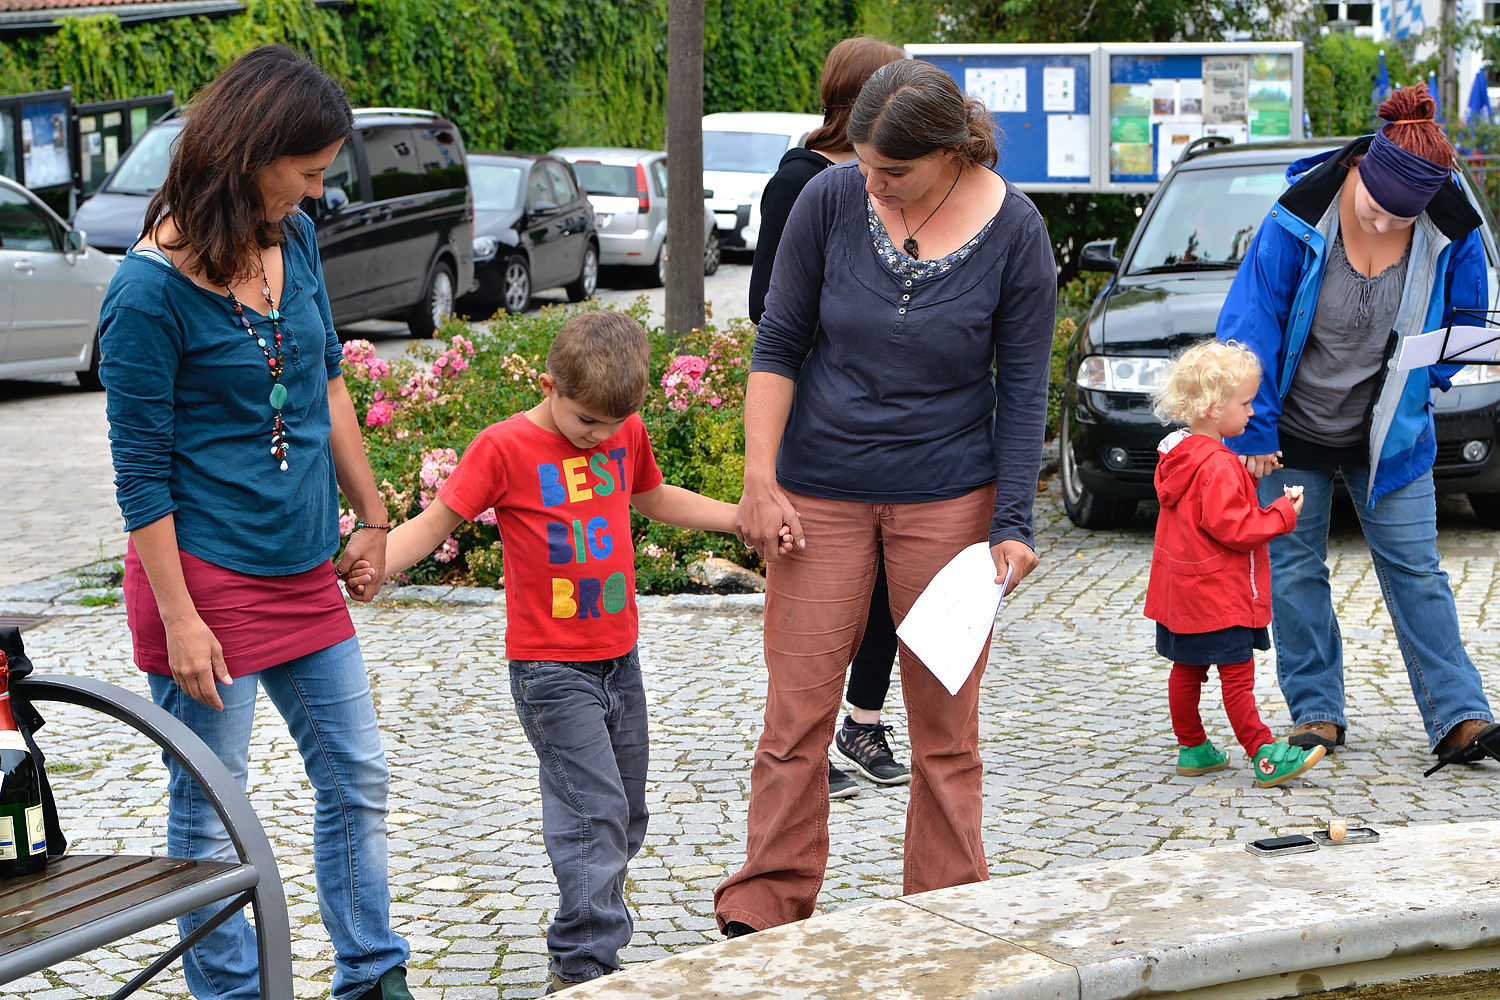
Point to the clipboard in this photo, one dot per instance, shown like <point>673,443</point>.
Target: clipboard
<point>1472,337</point>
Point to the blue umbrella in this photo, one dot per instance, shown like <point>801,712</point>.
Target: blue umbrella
<point>1479,99</point>
<point>1382,88</point>
<point>1437,104</point>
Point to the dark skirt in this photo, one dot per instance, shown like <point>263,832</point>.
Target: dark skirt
<point>1235,644</point>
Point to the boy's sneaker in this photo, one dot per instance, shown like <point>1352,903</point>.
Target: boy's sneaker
<point>840,785</point>
<point>1278,762</point>
<point>865,747</point>
<point>1201,759</point>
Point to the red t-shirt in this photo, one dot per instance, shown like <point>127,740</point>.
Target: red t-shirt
<point>564,516</point>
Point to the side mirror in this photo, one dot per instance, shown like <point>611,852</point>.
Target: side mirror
<point>544,208</point>
<point>77,241</point>
<point>708,193</point>
<point>1099,256</point>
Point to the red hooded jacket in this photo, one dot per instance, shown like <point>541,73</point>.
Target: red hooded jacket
<point>1210,569</point>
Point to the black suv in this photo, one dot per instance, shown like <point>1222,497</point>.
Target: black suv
<point>395,224</point>
<point>1166,293</point>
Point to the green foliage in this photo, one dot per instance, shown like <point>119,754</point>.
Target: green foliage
<point>1120,21</point>
<point>1341,102</point>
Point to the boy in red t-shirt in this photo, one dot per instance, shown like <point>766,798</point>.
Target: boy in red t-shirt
<point>562,478</point>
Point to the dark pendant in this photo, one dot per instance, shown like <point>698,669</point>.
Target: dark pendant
<point>910,246</point>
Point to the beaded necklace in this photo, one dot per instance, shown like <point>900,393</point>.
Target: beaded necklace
<point>278,391</point>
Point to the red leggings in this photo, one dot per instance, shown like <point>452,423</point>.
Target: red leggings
<point>1185,687</point>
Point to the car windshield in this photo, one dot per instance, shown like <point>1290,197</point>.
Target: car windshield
<point>743,152</point>
<point>1205,219</point>
<point>144,166</point>
<point>496,188</point>
<point>605,178</point>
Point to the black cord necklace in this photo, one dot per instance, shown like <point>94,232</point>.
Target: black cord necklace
<point>910,243</point>
<point>273,362</point>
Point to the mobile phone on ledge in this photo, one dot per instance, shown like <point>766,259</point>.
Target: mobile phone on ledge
<point>1276,846</point>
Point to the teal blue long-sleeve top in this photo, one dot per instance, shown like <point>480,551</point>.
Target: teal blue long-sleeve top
<point>190,418</point>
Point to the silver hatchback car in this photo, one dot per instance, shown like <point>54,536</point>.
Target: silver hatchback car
<point>51,286</point>
<point>628,189</point>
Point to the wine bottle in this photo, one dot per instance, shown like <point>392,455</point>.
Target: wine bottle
<point>23,834</point>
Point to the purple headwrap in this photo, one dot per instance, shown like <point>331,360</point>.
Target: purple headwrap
<point>1398,180</point>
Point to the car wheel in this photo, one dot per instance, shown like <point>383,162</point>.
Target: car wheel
<point>515,285</point>
<point>1486,507</point>
<point>89,377</point>
<point>656,277</point>
<point>711,253</point>
<point>1086,508</point>
<point>436,304</point>
<point>588,278</point>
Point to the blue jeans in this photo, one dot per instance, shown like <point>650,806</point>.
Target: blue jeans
<point>325,699</point>
<point>1401,530</point>
<point>587,723</point>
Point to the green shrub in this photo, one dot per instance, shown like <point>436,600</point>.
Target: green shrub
<point>420,412</point>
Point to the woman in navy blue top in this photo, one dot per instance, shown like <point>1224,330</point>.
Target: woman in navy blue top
<point>897,396</point>
<point>232,434</point>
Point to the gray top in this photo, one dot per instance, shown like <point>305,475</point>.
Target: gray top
<point>1330,396</point>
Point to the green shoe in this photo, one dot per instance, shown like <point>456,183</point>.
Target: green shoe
<point>1201,759</point>
<point>1278,762</point>
<point>390,986</point>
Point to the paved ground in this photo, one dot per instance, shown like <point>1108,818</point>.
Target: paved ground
<point>1076,746</point>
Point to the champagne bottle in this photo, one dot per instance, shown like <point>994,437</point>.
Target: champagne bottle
<point>23,834</point>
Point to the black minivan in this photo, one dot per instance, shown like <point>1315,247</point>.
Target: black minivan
<point>395,224</point>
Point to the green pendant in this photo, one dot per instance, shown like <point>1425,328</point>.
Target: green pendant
<point>278,396</point>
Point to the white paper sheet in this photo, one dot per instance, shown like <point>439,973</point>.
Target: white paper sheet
<point>950,622</point>
<point>1001,89</point>
<point>1059,87</point>
<point>1067,146</point>
<point>1476,345</point>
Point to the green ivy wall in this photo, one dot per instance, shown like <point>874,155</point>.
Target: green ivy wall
<point>514,74</point>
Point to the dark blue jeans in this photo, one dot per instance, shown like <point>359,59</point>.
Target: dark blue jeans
<point>587,723</point>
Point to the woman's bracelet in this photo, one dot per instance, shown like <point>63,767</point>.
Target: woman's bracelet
<point>367,524</point>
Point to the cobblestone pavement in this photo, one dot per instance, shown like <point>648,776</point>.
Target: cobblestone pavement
<point>1076,746</point>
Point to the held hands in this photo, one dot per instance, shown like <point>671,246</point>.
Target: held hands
<point>196,660</point>
<point>766,521</point>
<point>1021,558</point>
<point>366,548</point>
<point>1260,465</point>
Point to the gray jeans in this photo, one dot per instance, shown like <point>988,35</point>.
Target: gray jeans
<point>587,723</point>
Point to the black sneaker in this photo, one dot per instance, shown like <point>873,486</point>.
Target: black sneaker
<point>840,785</point>
<point>865,747</point>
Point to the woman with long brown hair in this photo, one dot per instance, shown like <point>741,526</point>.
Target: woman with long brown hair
<point>232,434</point>
<point>861,739</point>
<point>1372,244</point>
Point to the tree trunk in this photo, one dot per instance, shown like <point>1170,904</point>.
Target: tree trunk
<point>685,229</point>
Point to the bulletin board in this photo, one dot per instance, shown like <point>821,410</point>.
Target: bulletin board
<point>1158,98</point>
<point>1043,99</point>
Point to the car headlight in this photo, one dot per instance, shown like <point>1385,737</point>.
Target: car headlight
<point>1477,375</point>
<point>485,247</point>
<point>1116,374</point>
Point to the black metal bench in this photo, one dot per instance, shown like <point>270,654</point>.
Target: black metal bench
<point>78,903</point>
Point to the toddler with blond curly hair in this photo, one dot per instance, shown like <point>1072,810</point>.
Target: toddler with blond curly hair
<point>1210,588</point>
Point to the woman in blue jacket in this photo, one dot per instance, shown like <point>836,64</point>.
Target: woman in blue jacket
<point>1372,244</point>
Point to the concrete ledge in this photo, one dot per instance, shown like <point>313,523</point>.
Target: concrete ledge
<point>1214,923</point>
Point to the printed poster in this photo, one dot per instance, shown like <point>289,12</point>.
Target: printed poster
<point>1068,146</point>
<point>1225,86</point>
<point>1059,89</point>
<point>1130,129</point>
<point>1270,97</point>
<point>1171,139</point>
<point>1002,90</point>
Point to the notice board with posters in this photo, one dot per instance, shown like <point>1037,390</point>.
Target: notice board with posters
<point>1161,97</point>
<point>1044,101</point>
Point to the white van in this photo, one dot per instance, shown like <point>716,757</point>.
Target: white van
<point>741,150</point>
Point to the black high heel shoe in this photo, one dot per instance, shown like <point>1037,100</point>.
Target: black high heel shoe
<point>1484,744</point>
